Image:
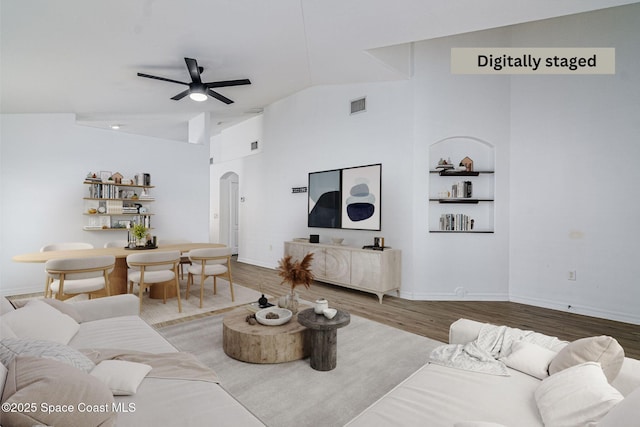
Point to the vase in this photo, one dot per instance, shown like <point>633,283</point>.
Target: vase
<point>292,302</point>
<point>320,305</point>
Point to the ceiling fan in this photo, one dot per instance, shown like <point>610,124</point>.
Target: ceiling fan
<point>198,90</point>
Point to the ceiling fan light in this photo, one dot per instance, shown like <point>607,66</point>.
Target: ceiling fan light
<point>198,96</point>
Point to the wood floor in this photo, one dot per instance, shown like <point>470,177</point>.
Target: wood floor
<point>432,318</point>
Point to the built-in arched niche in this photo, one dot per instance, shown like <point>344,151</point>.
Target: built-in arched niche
<point>461,185</point>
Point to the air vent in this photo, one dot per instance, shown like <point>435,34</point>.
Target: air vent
<point>359,105</point>
<point>254,145</point>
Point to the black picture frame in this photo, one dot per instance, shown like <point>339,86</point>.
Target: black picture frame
<point>324,199</point>
<point>347,198</point>
<point>361,197</point>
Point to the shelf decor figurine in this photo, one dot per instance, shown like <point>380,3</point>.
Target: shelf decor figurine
<point>467,163</point>
<point>295,273</point>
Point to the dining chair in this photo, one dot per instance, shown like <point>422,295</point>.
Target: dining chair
<point>66,246</point>
<point>184,258</point>
<point>74,276</point>
<point>150,267</point>
<point>116,244</point>
<point>210,262</point>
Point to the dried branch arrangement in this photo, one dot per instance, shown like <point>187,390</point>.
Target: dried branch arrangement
<point>296,273</point>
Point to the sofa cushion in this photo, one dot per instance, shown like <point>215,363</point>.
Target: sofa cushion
<point>39,320</point>
<point>576,396</point>
<point>477,424</point>
<point>6,306</point>
<point>603,349</point>
<point>121,376</point>
<point>29,386</point>
<point>3,377</point>
<point>5,330</point>
<point>530,358</point>
<point>624,413</point>
<point>64,307</point>
<point>10,348</point>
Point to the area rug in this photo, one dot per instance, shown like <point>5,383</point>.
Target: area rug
<point>155,312</point>
<point>372,359</point>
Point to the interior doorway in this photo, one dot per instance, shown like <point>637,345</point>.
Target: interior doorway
<point>229,210</point>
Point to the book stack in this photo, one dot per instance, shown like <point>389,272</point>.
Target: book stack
<point>104,191</point>
<point>129,209</point>
<point>456,222</point>
<point>114,207</point>
<point>462,189</point>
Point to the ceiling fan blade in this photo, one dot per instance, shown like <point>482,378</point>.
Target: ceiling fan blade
<point>194,72</point>
<point>219,97</point>
<point>181,95</point>
<point>161,78</point>
<point>228,83</point>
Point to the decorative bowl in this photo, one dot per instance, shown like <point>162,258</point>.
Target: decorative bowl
<point>329,313</point>
<point>283,313</point>
<point>337,240</point>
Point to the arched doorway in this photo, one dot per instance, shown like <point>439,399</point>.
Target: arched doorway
<point>229,204</point>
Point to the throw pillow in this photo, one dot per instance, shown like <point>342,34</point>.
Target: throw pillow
<point>624,413</point>
<point>35,385</point>
<point>576,396</point>
<point>603,349</point>
<point>121,376</point>
<point>10,348</point>
<point>530,358</point>
<point>64,307</point>
<point>38,320</point>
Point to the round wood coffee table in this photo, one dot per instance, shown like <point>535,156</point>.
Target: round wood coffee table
<point>324,337</point>
<point>263,344</point>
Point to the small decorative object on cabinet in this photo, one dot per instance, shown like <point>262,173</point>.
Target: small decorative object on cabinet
<point>109,206</point>
<point>461,199</point>
<point>366,270</point>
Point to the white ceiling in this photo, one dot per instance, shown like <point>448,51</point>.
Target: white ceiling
<point>79,56</point>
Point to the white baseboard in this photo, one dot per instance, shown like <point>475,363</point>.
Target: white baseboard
<point>255,262</point>
<point>632,318</point>
<point>450,296</point>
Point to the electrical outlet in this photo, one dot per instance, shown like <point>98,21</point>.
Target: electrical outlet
<point>572,275</point>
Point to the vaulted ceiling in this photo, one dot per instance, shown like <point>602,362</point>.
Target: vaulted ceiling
<point>78,56</point>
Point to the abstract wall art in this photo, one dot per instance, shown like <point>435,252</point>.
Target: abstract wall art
<point>324,199</point>
<point>361,197</point>
<point>345,198</point>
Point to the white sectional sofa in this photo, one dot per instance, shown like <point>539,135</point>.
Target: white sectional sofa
<point>106,323</point>
<point>579,395</point>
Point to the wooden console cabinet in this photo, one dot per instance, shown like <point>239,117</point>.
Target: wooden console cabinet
<point>367,270</point>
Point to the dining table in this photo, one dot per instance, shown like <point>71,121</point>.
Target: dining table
<point>118,277</point>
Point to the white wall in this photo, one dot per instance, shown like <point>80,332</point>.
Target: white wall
<point>313,131</point>
<point>45,158</point>
<point>460,266</point>
<point>564,194</point>
<point>574,155</point>
<point>228,148</point>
